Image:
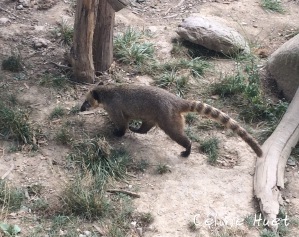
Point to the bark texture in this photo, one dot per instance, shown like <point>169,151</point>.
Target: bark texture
<point>269,171</point>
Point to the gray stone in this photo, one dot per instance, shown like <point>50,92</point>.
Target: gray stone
<point>283,65</point>
<point>40,43</point>
<point>20,7</point>
<point>4,21</point>
<point>213,35</point>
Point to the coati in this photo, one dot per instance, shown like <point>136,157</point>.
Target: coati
<point>156,106</point>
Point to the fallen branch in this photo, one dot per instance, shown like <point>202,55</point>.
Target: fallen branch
<point>132,194</point>
<point>8,172</point>
<point>269,171</point>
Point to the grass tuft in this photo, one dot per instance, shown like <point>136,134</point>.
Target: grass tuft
<point>55,81</point>
<point>211,148</point>
<point>13,63</point>
<point>14,125</point>
<point>57,112</point>
<point>64,32</point>
<point>272,5</point>
<point>162,169</point>
<point>11,198</point>
<point>97,156</point>
<point>82,198</point>
<point>130,48</point>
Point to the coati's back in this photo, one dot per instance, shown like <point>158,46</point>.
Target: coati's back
<point>141,102</point>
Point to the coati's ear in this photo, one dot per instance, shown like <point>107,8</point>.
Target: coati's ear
<point>100,83</point>
<point>95,95</point>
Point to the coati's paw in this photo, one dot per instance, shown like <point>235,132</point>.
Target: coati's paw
<point>185,153</point>
<point>118,132</point>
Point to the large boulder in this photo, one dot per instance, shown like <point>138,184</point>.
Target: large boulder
<point>283,65</point>
<point>213,35</point>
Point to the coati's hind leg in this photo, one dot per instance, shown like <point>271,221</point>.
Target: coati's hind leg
<point>144,128</point>
<point>120,122</point>
<point>175,130</point>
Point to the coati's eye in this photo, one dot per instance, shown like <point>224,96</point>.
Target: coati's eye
<point>85,106</point>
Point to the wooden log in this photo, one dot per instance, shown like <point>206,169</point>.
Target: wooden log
<point>269,171</point>
<point>81,52</point>
<point>103,37</point>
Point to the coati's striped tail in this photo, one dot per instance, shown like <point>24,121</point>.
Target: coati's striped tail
<point>219,116</point>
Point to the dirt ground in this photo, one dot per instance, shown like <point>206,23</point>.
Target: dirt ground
<point>193,188</point>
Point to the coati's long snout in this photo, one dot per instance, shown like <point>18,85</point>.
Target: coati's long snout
<point>155,106</point>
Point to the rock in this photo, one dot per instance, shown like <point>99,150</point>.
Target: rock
<point>283,65</point>
<point>40,43</point>
<point>4,21</point>
<point>139,231</point>
<point>213,35</point>
<point>87,233</point>
<point>291,162</point>
<point>26,3</point>
<point>20,7</point>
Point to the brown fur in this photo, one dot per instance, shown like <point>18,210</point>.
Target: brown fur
<point>155,106</point>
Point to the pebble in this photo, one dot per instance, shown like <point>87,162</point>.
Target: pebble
<point>40,43</point>
<point>4,21</point>
<point>20,7</point>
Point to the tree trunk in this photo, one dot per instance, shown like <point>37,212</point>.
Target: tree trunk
<point>103,37</point>
<point>269,171</point>
<point>81,52</point>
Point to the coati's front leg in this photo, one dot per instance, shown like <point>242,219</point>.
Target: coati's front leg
<point>120,122</point>
<point>144,128</point>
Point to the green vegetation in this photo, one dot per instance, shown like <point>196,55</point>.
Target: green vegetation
<point>82,198</point>
<point>210,147</point>
<point>65,33</point>
<point>14,125</point>
<point>13,63</point>
<point>11,198</point>
<point>272,5</point>
<point>162,169</point>
<point>98,157</point>
<point>57,112</point>
<point>244,91</point>
<point>130,48</point>
<point>146,219</point>
<point>63,136</point>
<point>55,81</point>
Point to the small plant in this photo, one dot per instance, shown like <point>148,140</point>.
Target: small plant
<point>170,80</point>
<point>130,48</point>
<point>192,133</point>
<point>268,233</point>
<point>272,5</point>
<point>63,137</point>
<point>13,63</point>
<point>56,81</point>
<point>146,219</point>
<point>83,198</point>
<point>14,124</point>
<point>163,168</point>
<point>39,205</point>
<point>11,198</point>
<point>249,220</point>
<point>230,86</point>
<point>140,165</point>
<point>97,156</point>
<point>191,118</point>
<point>58,112</point>
<point>211,148</point>
<point>65,33</point>
<point>75,109</point>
